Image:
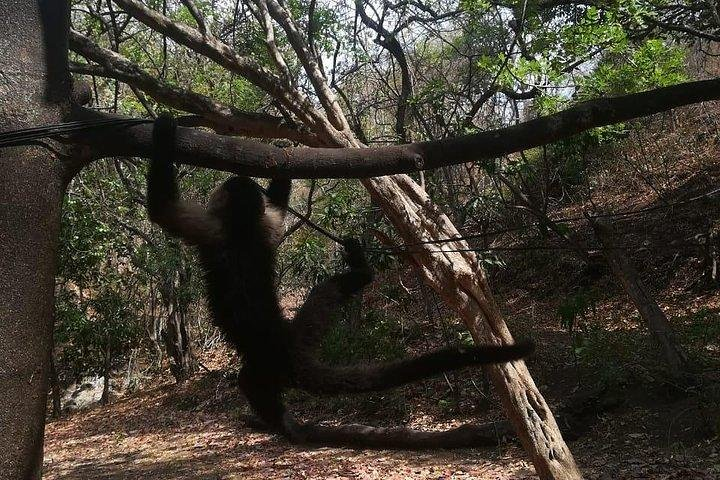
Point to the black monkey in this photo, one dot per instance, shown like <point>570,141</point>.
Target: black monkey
<point>237,236</point>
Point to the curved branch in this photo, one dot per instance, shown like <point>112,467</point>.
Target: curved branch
<point>199,18</point>
<point>222,54</point>
<point>389,42</point>
<point>248,157</point>
<point>224,118</point>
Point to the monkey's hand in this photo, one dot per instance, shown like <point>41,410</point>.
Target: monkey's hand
<point>355,255</point>
<point>164,136</point>
<point>161,187</point>
<point>360,273</point>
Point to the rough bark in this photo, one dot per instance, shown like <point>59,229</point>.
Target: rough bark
<point>459,279</point>
<point>176,337</point>
<point>33,87</point>
<point>651,313</point>
<point>175,332</point>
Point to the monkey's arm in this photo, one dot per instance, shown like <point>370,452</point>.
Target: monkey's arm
<point>180,219</point>
<point>313,319</point>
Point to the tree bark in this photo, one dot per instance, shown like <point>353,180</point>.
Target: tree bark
<point>460,280</point>
<point>175,334</point>
<point>656,321</point>
<point>107,363</point>
<point>34,86</point>
<point>178,345</point>
<point>55,389</point>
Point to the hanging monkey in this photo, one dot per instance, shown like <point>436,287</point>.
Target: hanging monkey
<point>237,235</point>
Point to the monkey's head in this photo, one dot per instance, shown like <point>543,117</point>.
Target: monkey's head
<point>243,208</point>
<point>237,199</point>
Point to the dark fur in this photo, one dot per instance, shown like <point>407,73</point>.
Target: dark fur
<point>237,236</point>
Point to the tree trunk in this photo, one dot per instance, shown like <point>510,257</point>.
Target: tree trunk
<point>459,279</point>
<point>55,389</point>
<point>654,318</point>
<point>178,345</point>
<point>34,86</point>
<point>176,335</point>
<point>107,363</point>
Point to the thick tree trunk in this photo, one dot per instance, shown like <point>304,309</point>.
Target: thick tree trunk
<point>459,279</point>
<point>649,310</point>
<point>33,87</point>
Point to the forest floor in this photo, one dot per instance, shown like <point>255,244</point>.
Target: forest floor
<point>198,431</point>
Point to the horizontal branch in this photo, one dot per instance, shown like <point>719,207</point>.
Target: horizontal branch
<point>248,157</point>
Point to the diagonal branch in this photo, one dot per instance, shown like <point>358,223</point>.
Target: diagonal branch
<point>225,56</point>
<point>310,64</point>
<point>263,17</point>
<point>199,18</point>
<point>248,157</point>
<point>223,118</point>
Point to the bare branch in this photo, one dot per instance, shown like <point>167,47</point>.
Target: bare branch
<point>223,118</point>
<point>249,157</point>
<point>265,20</point>
<point>224,55</point>
<point>309,63</point>
<point>389,41</point>
<point>199,19</point>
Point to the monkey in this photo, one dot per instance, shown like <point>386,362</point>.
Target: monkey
<point>237,235</point>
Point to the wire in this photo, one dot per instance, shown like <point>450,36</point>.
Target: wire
<point>310,223</point>
<point>26,136</point>
<point>405,246</point>
<point>528,248</point>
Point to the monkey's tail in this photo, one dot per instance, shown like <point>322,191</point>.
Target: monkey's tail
<point>316,378</point>
<point>363,436</point>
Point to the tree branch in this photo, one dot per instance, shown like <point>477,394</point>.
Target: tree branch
<point>199,19</point>
<point>309,63</point>
<point>225,56</point>
<point>223,118</point>
<point>248,157</point>
<point>389,42</point>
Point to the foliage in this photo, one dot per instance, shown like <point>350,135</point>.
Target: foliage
<point>96,317</point>
<point>375,337</point>
<point>532,58</point>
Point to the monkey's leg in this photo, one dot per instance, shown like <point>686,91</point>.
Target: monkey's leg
<point>264,395</point>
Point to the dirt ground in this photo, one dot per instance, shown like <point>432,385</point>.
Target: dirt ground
<point>196,432</point>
